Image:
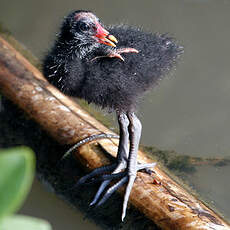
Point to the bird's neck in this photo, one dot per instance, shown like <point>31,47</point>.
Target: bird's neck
<point>70,49</point>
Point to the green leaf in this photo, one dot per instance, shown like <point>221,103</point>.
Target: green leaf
<point>16,175</point>
<point>21,222</point>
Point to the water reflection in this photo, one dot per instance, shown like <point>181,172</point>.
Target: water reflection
<point>189,113</point>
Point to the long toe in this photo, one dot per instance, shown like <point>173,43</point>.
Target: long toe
<point>127,194</point>
<point>102,187</point>
<point>112,189</point>
<point>131,180</point>
<point>118,172</point>
<point>95,172</point>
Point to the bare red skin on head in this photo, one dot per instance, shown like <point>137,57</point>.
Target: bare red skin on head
<point>101,32</point>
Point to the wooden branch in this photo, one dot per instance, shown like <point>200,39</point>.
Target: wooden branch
<point>165,202</point>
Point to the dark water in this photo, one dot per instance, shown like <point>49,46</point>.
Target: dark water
<point>47,206</point>
<point>189,112</point>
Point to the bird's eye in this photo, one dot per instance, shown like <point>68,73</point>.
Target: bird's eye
<point>84,26</point>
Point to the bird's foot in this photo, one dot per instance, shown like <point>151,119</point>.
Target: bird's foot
<point>118,171</point>
<point>116,53</point>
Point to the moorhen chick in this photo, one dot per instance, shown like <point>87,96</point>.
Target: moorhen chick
<point>111,69</point>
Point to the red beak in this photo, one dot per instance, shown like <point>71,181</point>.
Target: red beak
<point>104,37</point>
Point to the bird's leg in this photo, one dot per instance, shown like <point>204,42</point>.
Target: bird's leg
<point>122,155</point>
<point>135,128</point>
<point>133,133</point>
<point>123,147</point>
<point>130,130</point>
<point>116,53</point>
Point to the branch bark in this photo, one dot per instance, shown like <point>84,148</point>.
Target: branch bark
<point>166,203</point>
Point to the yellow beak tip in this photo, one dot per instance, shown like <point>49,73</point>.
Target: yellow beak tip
<point>112,38</point>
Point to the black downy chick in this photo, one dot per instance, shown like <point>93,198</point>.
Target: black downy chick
<point>111,69</point>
